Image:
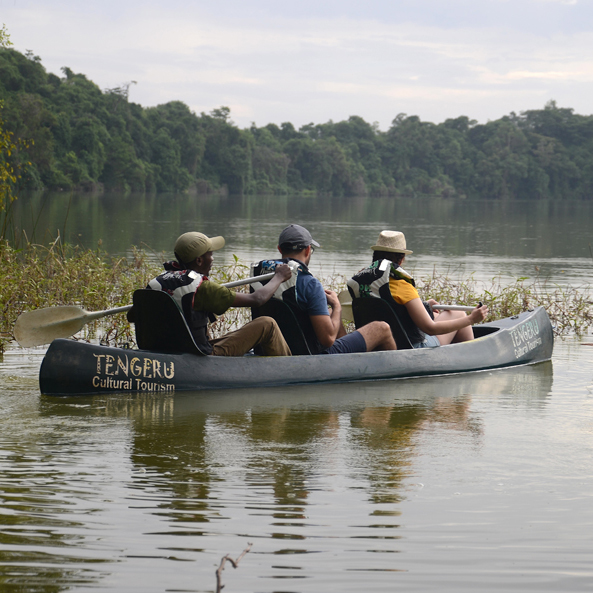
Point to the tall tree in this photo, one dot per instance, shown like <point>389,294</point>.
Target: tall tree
<point>8,174</point>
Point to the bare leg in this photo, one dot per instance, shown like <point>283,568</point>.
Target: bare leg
<point>464,334</point>
<point>378,336</point>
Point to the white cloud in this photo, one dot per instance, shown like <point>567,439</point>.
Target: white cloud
<point>285,68</point>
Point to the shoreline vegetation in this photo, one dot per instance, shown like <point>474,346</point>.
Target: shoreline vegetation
<point>64,132</point>
<point>36,276</point>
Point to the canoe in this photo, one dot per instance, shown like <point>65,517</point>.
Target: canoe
<point>78,368</point>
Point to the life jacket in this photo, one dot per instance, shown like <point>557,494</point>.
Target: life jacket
<point>182,284</point>
<point>288,293</point>
<point>374,282</point>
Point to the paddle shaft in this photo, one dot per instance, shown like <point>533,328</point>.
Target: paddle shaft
<point>91,316</point>
<point>346,302</point>
<point>250,280</point>
<point>42,326</point>
<point>454,308</point>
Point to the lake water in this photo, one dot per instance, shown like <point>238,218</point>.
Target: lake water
<point>485,238</point>
<point>476,482</point>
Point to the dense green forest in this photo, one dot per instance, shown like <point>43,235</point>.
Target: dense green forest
<point>75,135</point>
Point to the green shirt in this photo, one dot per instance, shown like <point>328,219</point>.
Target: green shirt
<point>213,298</point>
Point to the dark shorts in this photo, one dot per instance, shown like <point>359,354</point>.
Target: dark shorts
<point>350,343</point>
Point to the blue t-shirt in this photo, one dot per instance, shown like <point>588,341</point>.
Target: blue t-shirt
<point>311,298</point>
<point>310,295</point>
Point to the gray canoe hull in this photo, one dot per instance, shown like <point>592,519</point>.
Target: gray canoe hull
<point>78,368</point>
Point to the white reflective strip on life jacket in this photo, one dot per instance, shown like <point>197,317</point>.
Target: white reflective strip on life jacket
<point>384,267</point>
<point>294,267</point>
<point>180,291</point>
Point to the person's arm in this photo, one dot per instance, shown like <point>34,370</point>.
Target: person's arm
<point>264,294</point>
<point>328,327</point>
<point>422,319</point>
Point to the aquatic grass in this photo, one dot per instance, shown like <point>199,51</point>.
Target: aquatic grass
<point>36,276</point>
<point>569,307</point>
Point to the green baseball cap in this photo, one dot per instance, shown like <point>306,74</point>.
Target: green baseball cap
<point>191,245</point>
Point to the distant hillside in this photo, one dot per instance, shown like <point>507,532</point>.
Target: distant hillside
<point>87,138</point>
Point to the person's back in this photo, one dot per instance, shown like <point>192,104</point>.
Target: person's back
<point>186,281</point>
<point>376,281</point>
<point>181,284</point>
<point>287,292</point>
<point>425,330</point>
<point>320,309</point>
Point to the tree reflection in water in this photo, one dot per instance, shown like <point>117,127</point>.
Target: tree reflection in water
<point>308,468</point>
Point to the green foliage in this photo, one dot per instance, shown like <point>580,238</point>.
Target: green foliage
<point>568,307</point>
<point>38,276</point>
<point>4,37</point>
<point>44,276</point>
<point>47,276</point>
<point>86,138</point>
<point>8,176</point>
<point>10,164</point>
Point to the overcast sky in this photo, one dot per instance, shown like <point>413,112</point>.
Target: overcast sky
<point>314,60</point>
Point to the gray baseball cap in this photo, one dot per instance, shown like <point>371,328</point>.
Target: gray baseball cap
<point>295,236</point>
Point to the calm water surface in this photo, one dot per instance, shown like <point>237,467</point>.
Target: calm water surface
<point>464,483</point>
<point>461,237</point>
<point>475,482</point>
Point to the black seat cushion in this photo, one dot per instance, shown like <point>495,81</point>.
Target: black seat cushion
<point>369,309</point>
<point>287,322</point>
<point>160,325</point>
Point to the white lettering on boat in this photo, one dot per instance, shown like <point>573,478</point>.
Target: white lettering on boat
<point>526,337</point>
<point>133,374</point>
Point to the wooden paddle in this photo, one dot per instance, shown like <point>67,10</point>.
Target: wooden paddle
<point>42,326</point>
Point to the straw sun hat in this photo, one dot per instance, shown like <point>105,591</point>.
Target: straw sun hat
<point>393,241</point>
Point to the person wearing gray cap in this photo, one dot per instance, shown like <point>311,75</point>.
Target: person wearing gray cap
<point>199,298</point>
<point>308,300</point>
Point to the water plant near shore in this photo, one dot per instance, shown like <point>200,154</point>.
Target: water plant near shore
<point>45,276</point>
<point>38,276</point>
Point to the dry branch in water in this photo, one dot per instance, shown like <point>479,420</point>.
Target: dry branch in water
<point>235,563</point>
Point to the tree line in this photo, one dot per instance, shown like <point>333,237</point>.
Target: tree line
<point>68,133</point>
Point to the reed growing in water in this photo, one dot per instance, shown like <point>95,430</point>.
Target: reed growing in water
<point>36,276</point>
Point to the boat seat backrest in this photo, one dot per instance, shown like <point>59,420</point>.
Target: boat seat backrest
<point>160,324</point>
<point>368,309</point>
<point>284,316</point>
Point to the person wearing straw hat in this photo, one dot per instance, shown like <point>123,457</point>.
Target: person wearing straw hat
<point>311,303</point>
<point>200,299</point>
<point>425,328</point>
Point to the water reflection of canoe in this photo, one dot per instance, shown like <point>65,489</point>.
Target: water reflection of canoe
<point>71,367</point>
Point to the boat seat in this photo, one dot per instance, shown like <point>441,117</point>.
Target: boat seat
<point>160,324</point>
<point>369,309</point>
<point>284,316</point>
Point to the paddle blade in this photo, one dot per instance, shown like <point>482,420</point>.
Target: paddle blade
<point>42,326</point>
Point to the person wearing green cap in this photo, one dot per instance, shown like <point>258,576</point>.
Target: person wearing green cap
<point>199,298</point>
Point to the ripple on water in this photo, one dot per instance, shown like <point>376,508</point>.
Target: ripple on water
<point>474,482</point>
